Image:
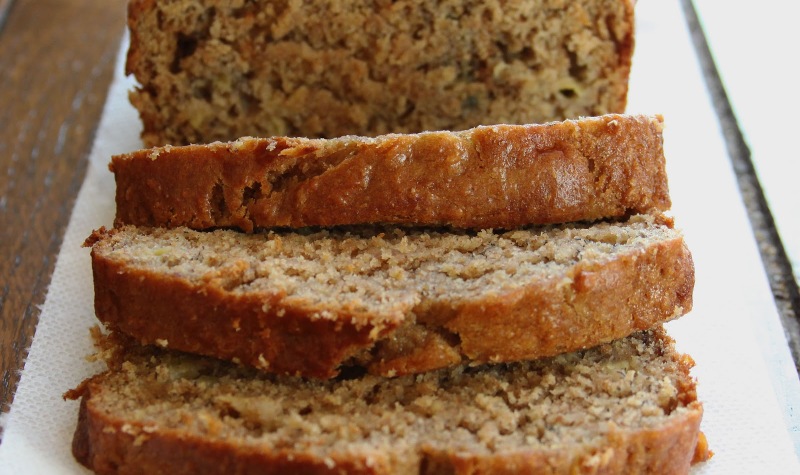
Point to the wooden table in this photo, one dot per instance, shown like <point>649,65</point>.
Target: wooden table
<point>56,62</point>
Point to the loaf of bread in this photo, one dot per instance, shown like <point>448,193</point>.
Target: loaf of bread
<point>487,177</point>
<point>393,300</point>
<point>626,407</point>
<point>218,70</point>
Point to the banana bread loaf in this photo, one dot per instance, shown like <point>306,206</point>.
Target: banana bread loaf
<point>487,177</point>
<point>626,407</point>
<point>218,70</point>
<point>393,300</point>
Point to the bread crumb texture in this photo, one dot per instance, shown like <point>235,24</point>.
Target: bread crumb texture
<point>394,300</point>
<point>616,407</point>
<point>378,270</point>
<point>216,70</point>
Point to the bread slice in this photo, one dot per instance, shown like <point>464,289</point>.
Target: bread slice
<point>394,300</point>
<point>211,70</point>
<point>487,177</point>
<point>626,407</point>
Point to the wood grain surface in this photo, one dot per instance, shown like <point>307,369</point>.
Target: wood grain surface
<point>56,63</point>
<point>4,8</point>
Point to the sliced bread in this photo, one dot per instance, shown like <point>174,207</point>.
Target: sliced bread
<point>217,70</point>
<point>393,300</point>
<point>626,407</point>
<point>487,177</point>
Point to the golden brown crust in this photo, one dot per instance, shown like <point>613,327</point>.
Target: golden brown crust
<point>488,177</point>
<point>603,302</point>
<point>212,70</point>
<point>103,444</point>
<point>589,304</point>
<point>166,311</point>
<point>666,450</point>
<point>110,443</point>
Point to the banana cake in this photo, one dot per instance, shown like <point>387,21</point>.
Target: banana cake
<point>217,70</point>
<point>391,299</point>
<point>625,407</point>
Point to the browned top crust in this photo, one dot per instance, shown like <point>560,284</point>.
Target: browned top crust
<point>488,177</point>
<point>393,300</point>
<point>218,70</point>
<point>629,406</point>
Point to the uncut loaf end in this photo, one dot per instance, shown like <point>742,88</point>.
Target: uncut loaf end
<point>626,407</point>
<point>389,299</point>
<point>218,70</point>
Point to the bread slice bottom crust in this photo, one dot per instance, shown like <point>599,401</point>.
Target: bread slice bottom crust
<point>629,406</point>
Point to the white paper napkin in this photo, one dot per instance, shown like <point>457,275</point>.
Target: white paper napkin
<point>746,377</point>
<point>758,69</point>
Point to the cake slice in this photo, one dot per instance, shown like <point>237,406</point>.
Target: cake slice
<point>394,300</point>
<point>626,407</point>
<point>502,176</point>
<point>211,70</point>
